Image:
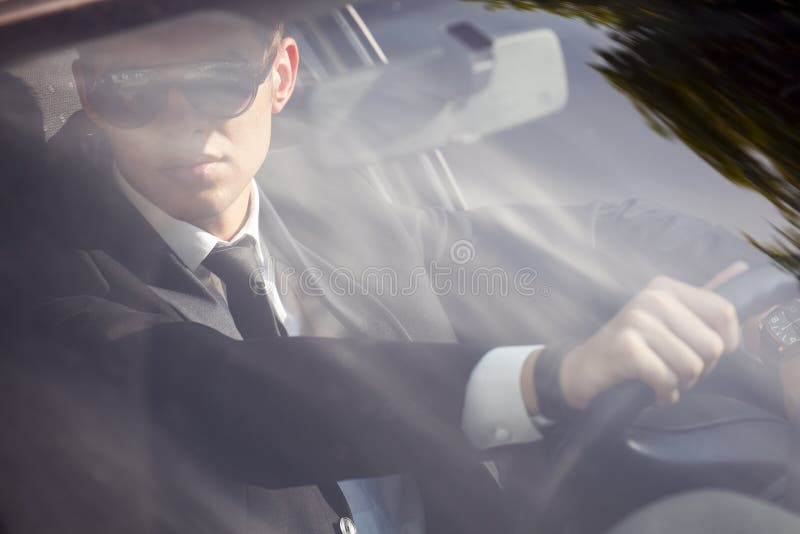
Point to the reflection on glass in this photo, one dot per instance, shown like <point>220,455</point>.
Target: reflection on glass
<point>719,77</point>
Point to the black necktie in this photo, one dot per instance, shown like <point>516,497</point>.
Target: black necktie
<point>245,284</point>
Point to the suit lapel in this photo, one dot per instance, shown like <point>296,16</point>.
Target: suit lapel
<point>129,240</point>
<point>199,310</point>
<point>310,282</point>
<point>153,262</point>
<point>137,246</point>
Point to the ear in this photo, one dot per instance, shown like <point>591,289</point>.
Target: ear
<point>79,73</point>
<point>284,74</point>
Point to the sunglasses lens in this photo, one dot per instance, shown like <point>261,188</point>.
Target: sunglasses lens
<point>224,93</point>
<point>128,107</point>
<point>132,99</point>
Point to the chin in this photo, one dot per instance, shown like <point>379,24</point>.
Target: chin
<point>197,213</point>
<point>203,205</point>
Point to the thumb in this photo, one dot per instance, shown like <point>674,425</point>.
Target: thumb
<point>728,273</point>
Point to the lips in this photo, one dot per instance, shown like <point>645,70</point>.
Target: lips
<point>191,162</point>
<point>200,171</point>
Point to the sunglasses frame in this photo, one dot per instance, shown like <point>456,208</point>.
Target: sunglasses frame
<point>151,76</point>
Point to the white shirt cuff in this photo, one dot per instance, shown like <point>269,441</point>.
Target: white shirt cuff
<point>494,410</point>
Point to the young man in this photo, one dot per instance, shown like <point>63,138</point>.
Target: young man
<point>165,224</point>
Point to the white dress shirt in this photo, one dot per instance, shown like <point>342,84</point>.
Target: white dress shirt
<point>494,411</point>
<point>192,245</point>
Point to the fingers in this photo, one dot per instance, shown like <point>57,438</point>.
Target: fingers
<point>707,344</point>
<point>682,360</point>
<point>645,365</point>
<point>715,311</point>
<point>728,273</point>
<point>667,336</point>
<point>731,271</point>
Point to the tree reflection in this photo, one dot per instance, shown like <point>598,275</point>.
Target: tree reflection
<point>723,76</point>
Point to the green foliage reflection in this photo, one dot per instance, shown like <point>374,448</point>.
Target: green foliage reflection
<point>722,76</point>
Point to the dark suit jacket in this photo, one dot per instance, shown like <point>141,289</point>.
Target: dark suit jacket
<point>360,401</point>
<point>354,397</point>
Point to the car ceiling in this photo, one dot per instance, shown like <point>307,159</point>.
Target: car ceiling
<point>28,28</point>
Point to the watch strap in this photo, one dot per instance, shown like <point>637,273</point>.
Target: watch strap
<point>547,381</point>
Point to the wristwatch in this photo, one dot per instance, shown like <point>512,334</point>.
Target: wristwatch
<point>780,331</point>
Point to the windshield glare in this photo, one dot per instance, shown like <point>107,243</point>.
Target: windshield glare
<point>435,174</point>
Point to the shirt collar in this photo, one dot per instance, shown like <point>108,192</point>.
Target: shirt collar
<point>190,243</point>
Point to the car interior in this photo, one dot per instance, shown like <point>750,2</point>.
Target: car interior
<point>357,115</point>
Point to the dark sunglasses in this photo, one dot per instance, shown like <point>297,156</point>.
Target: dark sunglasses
<point>134,98</point>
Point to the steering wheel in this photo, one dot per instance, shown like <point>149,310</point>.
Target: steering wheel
<point>612,413</point>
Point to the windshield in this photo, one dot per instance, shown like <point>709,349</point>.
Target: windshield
<point>277,249</point>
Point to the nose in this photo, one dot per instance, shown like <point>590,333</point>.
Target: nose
<point>180,116</point>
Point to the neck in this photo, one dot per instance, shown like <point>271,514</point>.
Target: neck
<point>226,224</point>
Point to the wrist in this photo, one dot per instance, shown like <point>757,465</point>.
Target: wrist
<point>547,378</point>
<point>570,381</point>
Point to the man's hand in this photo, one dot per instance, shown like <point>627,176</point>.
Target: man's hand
<point>668,336</point>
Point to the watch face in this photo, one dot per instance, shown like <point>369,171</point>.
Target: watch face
<point>783,324</point>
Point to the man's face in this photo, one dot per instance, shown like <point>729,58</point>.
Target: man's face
<point>191,165</point>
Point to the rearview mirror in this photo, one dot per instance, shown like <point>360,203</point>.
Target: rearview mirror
<point>474,83</point>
